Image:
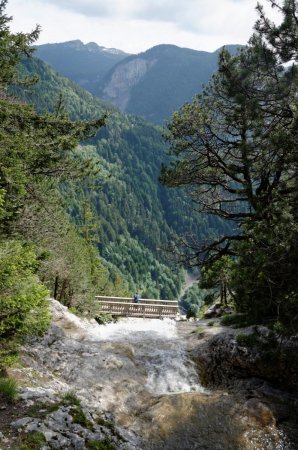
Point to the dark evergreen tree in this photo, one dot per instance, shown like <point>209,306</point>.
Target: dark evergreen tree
<point>235,148</point>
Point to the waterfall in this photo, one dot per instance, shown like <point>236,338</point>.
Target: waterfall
<point>158,349</point>
<point>138,371</point>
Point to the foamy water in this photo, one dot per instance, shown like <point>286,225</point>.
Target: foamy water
<point>158,349</point>
<point>139,371</point>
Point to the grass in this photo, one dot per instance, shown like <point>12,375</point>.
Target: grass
<point>199,330</point>
<point>70,398</point>
<point>235,320</point>
<point>79,417</point>
<point>9,389</point>
<point>30,441</point>
<point>99,445</point>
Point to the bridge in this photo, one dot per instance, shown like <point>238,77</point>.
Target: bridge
<point>125,306</point>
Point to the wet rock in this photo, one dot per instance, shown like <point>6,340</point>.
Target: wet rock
<point>229,356</point>
<point>256,413</point>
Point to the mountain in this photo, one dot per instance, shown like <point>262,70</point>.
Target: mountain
<point>159,81</point>
<point>152,84</point>
<point>136,217</point>
<point>86,64</point>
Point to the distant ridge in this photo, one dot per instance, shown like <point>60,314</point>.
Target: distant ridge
<point>85,64</point>
<point>152,84</point>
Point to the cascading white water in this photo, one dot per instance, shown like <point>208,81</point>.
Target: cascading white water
<point>158,349</point>
<point>138,371</point>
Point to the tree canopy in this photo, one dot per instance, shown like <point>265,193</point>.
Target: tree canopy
<point>235,150</point>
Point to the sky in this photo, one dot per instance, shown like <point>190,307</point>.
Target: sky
<point>136,25</point>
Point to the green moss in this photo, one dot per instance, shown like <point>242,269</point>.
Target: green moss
<point>98,445</point>
<point>79,417</point>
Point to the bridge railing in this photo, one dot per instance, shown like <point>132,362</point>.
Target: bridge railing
<point>125,306</point>
<point>153,301</point>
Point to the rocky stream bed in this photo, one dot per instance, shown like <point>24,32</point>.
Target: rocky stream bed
<point>138,384</point>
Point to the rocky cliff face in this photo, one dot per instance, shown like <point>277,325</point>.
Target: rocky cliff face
<point>233,355</point>
<point>124,77</point>
<point>251,363</point>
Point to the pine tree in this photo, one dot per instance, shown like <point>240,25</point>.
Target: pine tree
<point>235,150</point>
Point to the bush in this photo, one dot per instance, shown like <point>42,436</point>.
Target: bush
<point>247,340</point>
<point>70,398</point>
<point>103,318</point>
<point>8,388</point>
<point>236,320</point>
<point>193,311</point>
<point>23,299</point>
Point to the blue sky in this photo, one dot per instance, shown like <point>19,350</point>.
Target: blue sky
<point>136,25</point>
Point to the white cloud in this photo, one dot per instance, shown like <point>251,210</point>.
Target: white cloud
<point>135,25</point>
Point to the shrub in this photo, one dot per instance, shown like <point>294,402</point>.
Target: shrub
<point>8,388</point>
<point>70,398</point>
<point>247,340</point>
<point>23,299</point>
<point>103,318</point>
<point>236,320</point>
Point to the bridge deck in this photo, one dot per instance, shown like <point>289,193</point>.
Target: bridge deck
<point>121,306</point>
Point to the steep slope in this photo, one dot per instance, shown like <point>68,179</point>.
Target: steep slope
<point>157,82</point>
<point>152,84</point>
<point>85,64</point>
<point>136,216</point>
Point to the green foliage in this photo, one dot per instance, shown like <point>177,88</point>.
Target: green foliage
<point>70,398</point>
<point>193,311</point>
<point>123,210</point>
<point>30,441</point>
<point>196,297</point>
<point>237,320</point>
<point>79,417</point>
<point>102,318</point>
<point>99,445</point>
<point>9,353</point>
<point>199,330</point>
<point>247,340</point>
<point>235,148</point>
<point>23,299</point>
<point>9,389</point>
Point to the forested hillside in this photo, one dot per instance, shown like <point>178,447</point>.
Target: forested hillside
<point>131,215</point>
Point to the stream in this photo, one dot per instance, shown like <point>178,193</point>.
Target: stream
<point>139,371</point>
